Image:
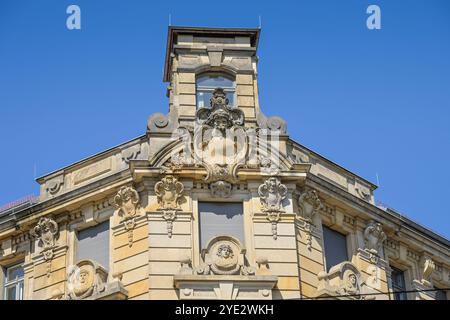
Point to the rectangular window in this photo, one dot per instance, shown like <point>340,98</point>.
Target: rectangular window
<point>93,244</point>
<point>335,247</point>
<point>398,284</point>
<point>13,287</point>
<point>218,219</point>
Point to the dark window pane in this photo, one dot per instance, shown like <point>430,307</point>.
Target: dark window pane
<point>441,294</point>
<point>220,219</point>
<point>335,247</point>
<point>10,293</point>
<point>398,284</point>
<point>93,244</point>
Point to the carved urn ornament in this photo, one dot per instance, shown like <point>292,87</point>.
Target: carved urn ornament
<point>127,203</point>
<point>374,237</point>
<point>46,231</point>
<point>220,141</point>
<point>309,205</point>
<point>272,193</point>
<point>87,278</point>
<point>169,191</point>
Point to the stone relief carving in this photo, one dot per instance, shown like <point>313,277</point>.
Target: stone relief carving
<point>221,189</point>
<point>224,255</point>
<point>220,142</point>
<point>159,122</point>
<point>131,153</point>
<point>127,204</point>
<point>362,191</point>
<point>374,237</point>
<point>426,282</point>
<point>272,123</point>
<point>272,193</point>
<point>87,278</point>
<point>55,185</point>
<point>46,231</point>
<point>169,191</point>
<point>268,166</point>
<point>428,267</point>
<point>309,205</point>
<point>342,279</point>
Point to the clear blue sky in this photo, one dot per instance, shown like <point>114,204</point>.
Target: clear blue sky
<point>371,101</point>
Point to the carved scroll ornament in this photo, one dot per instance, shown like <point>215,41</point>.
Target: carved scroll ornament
<point>127,203</point>
<point>272,193</point>
<point>46,231</point>
<point>169,191</point>
<point>309,204</point>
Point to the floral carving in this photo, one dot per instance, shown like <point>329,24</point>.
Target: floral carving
<point>46,231</point>
<point>374,237</point>
<point>272,193</point>
<point>169,191</point>
<point>127,203</point>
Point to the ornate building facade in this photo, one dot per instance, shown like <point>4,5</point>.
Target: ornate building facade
<point>214,201</point>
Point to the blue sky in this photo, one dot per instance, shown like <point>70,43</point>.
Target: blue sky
<point>371,101</point>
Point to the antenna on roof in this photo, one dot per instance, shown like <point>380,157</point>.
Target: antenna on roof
<point>170,19</point>
<point>378,180</point>
<point>260,23</point>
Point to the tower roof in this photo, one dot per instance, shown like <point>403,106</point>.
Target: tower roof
<point>174,32</point>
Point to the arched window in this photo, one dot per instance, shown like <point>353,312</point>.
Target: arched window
<point>206,83</point>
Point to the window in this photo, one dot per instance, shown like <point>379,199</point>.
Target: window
<point>440,294</point>
<point>14,282</point>
<point>93,244</point>
<point>208,82</point>
<point>398,284</point>
<point>335,247</point>
<point>218,219</point>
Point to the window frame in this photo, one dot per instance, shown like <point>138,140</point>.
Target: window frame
<point>394,287</point>
<point>200,238</point>
<point>81,224</point>
<point>210,89</point>
<point>84,228</point>
<point>204,195</point>
<point>18,283</point>
<point>347,245</point>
